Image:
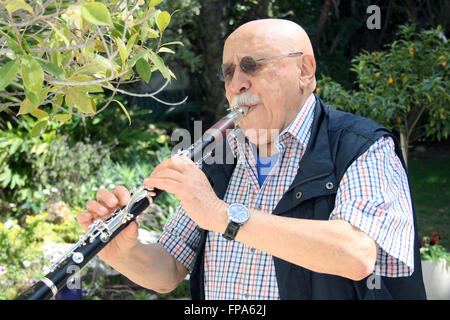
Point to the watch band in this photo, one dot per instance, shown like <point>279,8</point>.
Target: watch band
<point>231,230</point>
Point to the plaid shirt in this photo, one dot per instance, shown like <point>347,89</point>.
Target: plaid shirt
<point>373,196</point>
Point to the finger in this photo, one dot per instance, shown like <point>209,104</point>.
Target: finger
<point>174,163</point>
<point>187,161</point>
<point>169,174</point>
<point>122,194</point>
<point>85,219</point>
<point>96,209</point>
<point>107,199</point>
<point>168,185</point>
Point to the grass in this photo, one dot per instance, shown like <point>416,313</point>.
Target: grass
<point>429,179</point>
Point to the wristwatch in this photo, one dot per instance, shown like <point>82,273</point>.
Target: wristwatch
<point>238,214</point>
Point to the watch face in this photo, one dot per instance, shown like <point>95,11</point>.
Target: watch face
<point>238,213</point>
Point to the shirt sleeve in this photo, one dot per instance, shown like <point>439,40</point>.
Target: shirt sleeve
<point>180,237</point>
<point>374,197</point>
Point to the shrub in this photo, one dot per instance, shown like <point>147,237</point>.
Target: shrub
<point>405,88</point>
<point>21,257</point>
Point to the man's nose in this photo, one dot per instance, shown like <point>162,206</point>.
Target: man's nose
<point>240,82</point>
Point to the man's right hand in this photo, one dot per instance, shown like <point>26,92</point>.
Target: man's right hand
<point>106,203</point>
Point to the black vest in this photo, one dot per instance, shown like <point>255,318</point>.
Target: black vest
<point>337,139</point>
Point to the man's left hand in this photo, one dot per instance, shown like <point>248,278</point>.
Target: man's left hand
<point>181,177</point>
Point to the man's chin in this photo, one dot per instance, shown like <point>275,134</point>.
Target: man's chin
<point>260,136</point>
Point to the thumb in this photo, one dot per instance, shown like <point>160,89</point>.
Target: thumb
<point>130,233</point>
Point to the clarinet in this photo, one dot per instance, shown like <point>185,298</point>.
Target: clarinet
<point>102,232</point>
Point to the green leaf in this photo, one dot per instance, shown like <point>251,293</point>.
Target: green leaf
<point>122,50</point>
<point>124,110</point>
<point>154,3</point>
<point>163,49</point>
<point>16,143</point>
<point>163,20</point>
<point>14,46</point>
<point>96,13</point>
<point>172,43</point>
<point>79,99</point>
<point>159,64</point>
<point>51,68</point>
<point>36,98</point>
<point>39,128</point>
<point>38,113</point>
<point>5,177</point>
<point>131,42</point>
<point>14,5</point>
<point>8,73</point>
<point>25,45</point>
<point>26,107</point>
<point>136,57</point>
<point>32,74</point>
<point>143,69</point>
<point>62,117</point>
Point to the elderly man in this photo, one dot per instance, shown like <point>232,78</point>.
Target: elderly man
<point>315,206</point>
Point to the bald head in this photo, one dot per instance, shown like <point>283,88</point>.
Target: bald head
<point>282,35</point>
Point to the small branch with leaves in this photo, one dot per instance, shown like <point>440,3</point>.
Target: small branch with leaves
<point>59,59</point>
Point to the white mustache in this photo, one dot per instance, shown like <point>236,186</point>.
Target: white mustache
<point>244,99</point>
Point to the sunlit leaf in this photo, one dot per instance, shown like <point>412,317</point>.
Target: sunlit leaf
<point>163,49</point>
<point>124,110</point>
<point>163,20</point>
<point>172,43</point>
<point>14,5</point>
<point>79,99</point>
<point>122,50</point>
<point>96,13</point>
<point>26,107</point>
<point>32,74</point>
<point>38,113</point>
<point>154,3</point>
<point>62,117</point>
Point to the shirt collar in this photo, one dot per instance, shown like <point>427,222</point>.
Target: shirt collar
<point>299,129</point>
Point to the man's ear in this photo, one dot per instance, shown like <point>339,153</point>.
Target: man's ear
<point>307,66</point>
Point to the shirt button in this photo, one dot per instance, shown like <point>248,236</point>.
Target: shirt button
<point>252,250</point>
<point>298,195</point>
<point>329,185</point>
<point>245,295</point>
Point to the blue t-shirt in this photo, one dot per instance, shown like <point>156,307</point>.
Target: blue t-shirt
<point>265,165</point>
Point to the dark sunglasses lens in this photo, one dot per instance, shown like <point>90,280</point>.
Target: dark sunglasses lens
<point>248,65</point>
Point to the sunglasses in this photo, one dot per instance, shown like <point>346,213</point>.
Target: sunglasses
<point>248,64</point>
